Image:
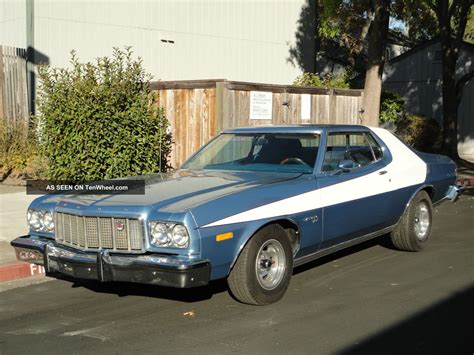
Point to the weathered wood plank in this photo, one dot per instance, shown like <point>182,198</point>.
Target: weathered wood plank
<point>13,85</point>
<point>213,119</point>
<point>184,84</point>
<point>278,115</point>
<point>197,110</point>
<point>205,119</point>
<point>183,118</point>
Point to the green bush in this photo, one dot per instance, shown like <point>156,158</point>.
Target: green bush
<point>392,107</point>
<point>420,133</point>
<point>101,120</point>
<point>329,80</point>
<point>19,151</point>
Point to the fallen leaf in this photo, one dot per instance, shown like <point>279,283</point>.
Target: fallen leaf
<point>189,314</point>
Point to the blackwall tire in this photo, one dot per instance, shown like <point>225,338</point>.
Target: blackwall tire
<point>262,272</point>
<point>414,228</point>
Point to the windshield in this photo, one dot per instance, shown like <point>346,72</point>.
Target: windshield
<point>274,152</point>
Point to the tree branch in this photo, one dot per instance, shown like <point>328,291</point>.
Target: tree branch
<point>433,6</point>
<point>364,31</point>
<point>461,82</point>
<point>452,8</point>
<point>462,22</point>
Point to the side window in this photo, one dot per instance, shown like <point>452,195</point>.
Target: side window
<point>357,147</point>
<point>336,146</point>
<point>375,147</point>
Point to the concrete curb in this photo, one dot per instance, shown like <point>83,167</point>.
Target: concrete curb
<point>19,270</point>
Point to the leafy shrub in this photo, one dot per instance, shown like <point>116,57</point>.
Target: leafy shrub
<point>327,81</point>
<point>392,107</point>
<point>19,150</point>
<point>101,120</point>
<point>420,133</point>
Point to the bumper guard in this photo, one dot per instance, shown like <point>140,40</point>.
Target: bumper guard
<point>453,192</point>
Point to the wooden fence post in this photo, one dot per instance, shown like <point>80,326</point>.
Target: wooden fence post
<point>361,109</point>
<point>225,120</point>
<point>219,109</point>
<point>332,105</point>
<point>286,107</point>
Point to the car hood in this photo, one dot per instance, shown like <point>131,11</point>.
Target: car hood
<point>180,190</point>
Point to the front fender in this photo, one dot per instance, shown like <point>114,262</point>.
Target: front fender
<point>223,254</point>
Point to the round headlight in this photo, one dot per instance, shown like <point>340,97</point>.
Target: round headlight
<point>48,221</point>
<point>159,232</point>
<point>180,235</point>
<point>35,220</point>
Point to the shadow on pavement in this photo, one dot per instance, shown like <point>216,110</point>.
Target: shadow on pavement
<point>123,289</point>
<point>383,241</point>
<point>469,191</point>
<point>444,328</point>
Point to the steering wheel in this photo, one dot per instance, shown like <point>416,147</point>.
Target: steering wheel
<point>293,160</point>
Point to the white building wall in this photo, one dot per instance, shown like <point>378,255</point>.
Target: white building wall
<point>13,23</point>
<point>243,40</point>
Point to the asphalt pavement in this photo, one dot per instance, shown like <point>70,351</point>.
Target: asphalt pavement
<point>369,299</point>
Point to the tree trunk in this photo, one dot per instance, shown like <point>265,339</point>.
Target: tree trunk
<point>375,63</point>
<point>448,72</point>
<point>450,108</point>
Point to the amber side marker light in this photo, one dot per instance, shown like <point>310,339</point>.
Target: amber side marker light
<point>224,236</point>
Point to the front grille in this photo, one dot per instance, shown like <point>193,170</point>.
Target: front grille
<point>93,233</point>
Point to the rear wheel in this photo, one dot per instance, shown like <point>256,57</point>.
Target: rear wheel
<point>263,270</point>
<point>414,228</point>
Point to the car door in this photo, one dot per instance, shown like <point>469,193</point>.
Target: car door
<point>352,203</point>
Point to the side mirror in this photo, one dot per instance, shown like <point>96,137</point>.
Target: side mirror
<point>346,165</point>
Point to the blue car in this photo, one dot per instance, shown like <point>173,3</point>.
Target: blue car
<point>249,206</point>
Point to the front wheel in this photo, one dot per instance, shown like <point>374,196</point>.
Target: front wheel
<point>263,270</point>
<point>414,228</point>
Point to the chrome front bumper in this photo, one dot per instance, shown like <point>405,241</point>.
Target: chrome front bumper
<point>104,266</point>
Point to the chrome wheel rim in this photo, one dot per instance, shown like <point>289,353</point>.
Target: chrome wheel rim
<point>270,264</point>
<point>422,221</point>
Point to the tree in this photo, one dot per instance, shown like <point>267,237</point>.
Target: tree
<point>420,20</point>
<point>352,22</point>
<point>452,17</point>
<point>469,32</point>
<point>453,20</point>
<point>347,23</point>
<point>375,63</point>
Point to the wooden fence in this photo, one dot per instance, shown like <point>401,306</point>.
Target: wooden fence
<point>198,110</point>
<point>13,84</point>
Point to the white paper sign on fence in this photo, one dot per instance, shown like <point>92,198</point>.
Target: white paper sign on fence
<point>305,107</point>
<point>261,105</point>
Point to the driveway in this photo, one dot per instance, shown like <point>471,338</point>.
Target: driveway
<point>369,299</point>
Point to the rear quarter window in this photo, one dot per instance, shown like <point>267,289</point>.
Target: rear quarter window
<point>359,147</point>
